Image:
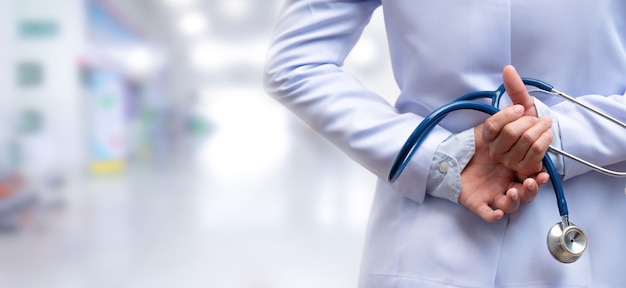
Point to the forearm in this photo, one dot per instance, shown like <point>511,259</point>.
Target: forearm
<point>304,73</point>
<point>590,137</point>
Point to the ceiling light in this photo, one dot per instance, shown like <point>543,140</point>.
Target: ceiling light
<point>193,24</point>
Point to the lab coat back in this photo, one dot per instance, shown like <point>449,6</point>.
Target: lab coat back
<point>443,49</point>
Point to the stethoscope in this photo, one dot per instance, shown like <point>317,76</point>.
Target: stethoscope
<point>565,240</point>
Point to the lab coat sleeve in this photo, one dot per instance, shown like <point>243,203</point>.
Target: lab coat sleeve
<point>589,136</point>
<point>303,72</point>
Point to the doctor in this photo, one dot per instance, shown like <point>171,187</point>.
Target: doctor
<point>450,220</point>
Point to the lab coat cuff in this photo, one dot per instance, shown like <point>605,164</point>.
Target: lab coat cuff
<point>412,183</point>
<point>544,110</point>
<point>451,157</point>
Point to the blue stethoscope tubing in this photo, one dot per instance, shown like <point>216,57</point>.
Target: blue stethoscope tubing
<point>566,241</point>
<point>466,102</point>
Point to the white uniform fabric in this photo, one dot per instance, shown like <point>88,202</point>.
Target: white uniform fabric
<point>441,50</point>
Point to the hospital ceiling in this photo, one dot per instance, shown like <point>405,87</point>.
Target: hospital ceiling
<point>195,30</point>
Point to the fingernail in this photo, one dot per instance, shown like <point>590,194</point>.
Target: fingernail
<point>518,108</point>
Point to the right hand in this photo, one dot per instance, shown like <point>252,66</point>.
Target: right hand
<point>515,136</point>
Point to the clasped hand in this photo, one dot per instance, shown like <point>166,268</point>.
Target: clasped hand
<point>506,169</point>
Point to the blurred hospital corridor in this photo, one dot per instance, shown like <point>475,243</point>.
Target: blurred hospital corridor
<point>138,148</point>
<point>195,222</point>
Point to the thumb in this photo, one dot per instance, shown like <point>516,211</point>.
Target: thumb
<point>517,90</point>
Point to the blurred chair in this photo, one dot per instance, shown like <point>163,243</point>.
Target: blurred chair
<point>16,202</point>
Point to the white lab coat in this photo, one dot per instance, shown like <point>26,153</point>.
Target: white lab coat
<point>441,50</point>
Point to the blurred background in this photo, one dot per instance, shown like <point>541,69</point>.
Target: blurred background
<point>139,149</point>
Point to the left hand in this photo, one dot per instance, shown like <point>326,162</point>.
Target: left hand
<point>489,189</point>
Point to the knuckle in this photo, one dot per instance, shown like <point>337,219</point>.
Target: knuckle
<point>537,148</point>
<point>508,131</point>
<point>490,129</point>
<point>527,138</point>
<point>549,136</point>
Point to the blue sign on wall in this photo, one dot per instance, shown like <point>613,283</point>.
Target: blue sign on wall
<point>38,29</point>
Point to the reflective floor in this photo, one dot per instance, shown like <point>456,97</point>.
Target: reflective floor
<point>282,208</point>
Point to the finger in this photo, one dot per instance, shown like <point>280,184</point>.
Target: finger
<point>542,178</point>
<point>488,214</point>
<point>532,162</point>
<point>508,203</point>
<point>530,190</point>
<point>526,154</point>
<point>517,90</point>
<point>544,129</point>
<point>509,138</point>
<point>494,124</point>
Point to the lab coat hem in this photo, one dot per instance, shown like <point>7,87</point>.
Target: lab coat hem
<point>402,281</point>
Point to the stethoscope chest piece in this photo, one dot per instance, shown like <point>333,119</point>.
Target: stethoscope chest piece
<point>566,244</point>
